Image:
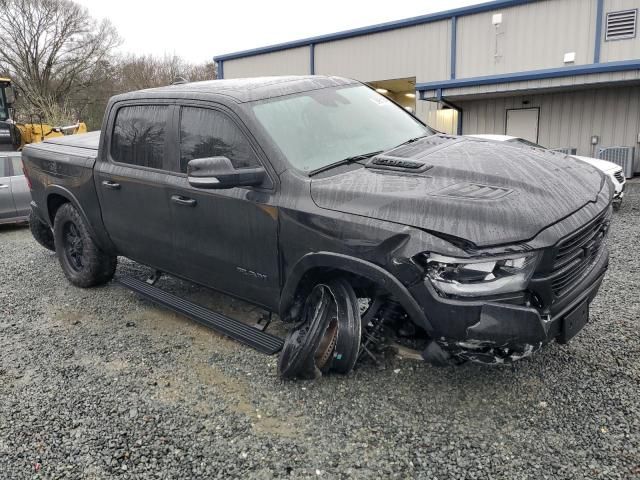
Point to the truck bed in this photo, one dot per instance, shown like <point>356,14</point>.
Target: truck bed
<point>89,141</point>
<point>60,165</point>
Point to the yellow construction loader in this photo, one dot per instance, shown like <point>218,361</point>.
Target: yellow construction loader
<point>14,136</point>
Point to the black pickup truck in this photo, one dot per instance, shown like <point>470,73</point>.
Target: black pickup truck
<point>320,200</point>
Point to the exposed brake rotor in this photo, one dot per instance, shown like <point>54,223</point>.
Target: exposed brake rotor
<point>327,345</point>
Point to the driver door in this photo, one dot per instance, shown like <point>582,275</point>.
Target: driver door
<point>226,238</point>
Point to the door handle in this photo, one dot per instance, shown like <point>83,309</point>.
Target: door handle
<point>180,200</point>
<point>111,185</point>
<point>4,186</point>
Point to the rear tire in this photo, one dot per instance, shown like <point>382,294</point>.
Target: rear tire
<point>83,263</point>
<point>41,232</point>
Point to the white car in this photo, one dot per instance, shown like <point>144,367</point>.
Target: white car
<point>612,170</point>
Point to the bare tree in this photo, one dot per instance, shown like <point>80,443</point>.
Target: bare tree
<point>202,71</point>
<point>133,72</point>
<point>147,71</point>
<point>52,48</point>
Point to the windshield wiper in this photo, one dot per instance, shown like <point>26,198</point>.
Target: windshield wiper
<point>345,161</point>
<point>411,140</point>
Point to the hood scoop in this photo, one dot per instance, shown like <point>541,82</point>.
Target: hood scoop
<point>473,191</point>
<point>388,162</point>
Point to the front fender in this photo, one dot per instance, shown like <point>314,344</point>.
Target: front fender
<point>362,268</point>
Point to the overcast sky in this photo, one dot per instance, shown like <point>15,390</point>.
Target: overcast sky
<point>198,30</point>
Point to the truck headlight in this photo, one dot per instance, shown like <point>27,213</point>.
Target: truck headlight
<point>467,277</point>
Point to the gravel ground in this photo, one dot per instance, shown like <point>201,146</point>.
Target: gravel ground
<point>99,383</point>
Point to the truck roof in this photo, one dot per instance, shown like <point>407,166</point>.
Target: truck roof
<point>241,89</point>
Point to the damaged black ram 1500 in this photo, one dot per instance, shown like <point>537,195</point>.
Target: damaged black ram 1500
<point>320,200</point>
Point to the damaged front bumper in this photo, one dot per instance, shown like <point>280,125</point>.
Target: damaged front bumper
<point>498,331</point>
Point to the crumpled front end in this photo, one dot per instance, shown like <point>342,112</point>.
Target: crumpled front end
<point>508,327</point>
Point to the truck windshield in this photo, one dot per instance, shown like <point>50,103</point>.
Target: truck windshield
<point>322,127</point>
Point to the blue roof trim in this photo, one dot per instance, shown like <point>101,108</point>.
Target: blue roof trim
<point>381,27</point>
<point>621,66</point>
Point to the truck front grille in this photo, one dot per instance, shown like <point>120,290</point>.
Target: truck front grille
<point>576,254</point>
<point>619,176</point>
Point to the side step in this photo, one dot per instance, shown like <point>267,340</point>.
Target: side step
<point>261,341</point>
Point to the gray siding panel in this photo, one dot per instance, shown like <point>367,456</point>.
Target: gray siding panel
<point>567,119</point>
<point>287,62</point>
<point>422,51</point>
<point>532,36</point>
<point>626,49</point>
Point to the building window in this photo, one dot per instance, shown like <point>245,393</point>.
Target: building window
<point>621,25</point>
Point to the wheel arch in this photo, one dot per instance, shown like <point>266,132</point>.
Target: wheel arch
<point>56,196</point>
<point>317,265</point>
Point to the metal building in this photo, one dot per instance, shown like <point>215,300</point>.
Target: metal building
<point>562,73</point>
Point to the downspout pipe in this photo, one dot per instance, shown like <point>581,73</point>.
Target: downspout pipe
<point>452,105</point>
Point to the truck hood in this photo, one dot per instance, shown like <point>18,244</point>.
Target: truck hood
<point>483,192</point>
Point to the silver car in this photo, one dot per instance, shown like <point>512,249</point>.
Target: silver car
<point>15,197</point>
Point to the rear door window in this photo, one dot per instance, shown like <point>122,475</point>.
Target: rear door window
<point>209,133</point>
<point>139,135</point>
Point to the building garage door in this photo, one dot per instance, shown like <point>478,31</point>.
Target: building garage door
<point>523,123</point>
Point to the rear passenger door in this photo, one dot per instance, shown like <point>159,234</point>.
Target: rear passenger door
<point>227,238</point>
<point>7,207</point>
<point>131,179</point>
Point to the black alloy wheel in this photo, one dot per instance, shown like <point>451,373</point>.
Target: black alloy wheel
<point>73,246</point>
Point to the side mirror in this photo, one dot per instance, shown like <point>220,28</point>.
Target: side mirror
<point>219,172</point>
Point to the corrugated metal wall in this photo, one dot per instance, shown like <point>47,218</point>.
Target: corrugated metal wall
<point>421,51</point>
<point>287,62</point>
<point>567,119</point>
<point>531,37</point>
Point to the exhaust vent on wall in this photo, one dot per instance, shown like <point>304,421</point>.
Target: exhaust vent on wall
<point>621,25</point>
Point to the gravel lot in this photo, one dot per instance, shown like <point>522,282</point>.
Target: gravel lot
<point>99,383</point>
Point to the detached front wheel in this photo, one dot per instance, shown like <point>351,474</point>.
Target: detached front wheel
<point>83,263</point>
<point>328,337</point>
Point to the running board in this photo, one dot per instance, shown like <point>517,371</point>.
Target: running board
<point>243,333</point>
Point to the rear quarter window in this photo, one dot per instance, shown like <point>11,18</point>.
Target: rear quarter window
<point>139,134</point>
